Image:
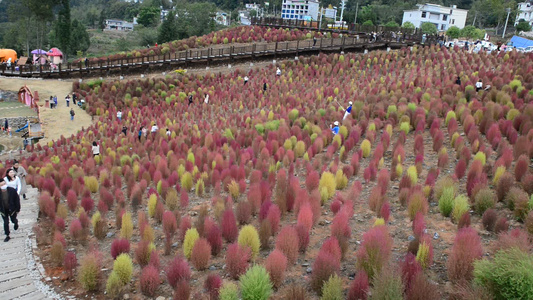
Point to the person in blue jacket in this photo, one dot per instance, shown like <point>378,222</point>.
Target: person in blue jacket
<point>335,129</point>
<point>348,110</point>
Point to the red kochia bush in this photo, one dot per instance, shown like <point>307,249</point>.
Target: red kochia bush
<point>170,224</point>
<point>335,206</point>
<point>119,246</point>
<point>331,246</point>
<point>59,223</point>
<point>359,287</point>
<point>515,238</point>
<point>72,200</point>
<point>149,280</point>
<point>305,216</point>
<point>182,291</point>
<point>521,167</point>
<point>324,266</point>
<point>214,237</point>
<point>303,237</point>
<point>287,242</point>
<point>87,203</point>
<point>410,268</point>
<point>76,230</point>
<point>274,216</point>
<point>276,264</point>
<point>178,270</point>
<point>212,284</point>
<point>466,249</point>
<point>201,253</point>
<point>489,219</point>
<point>237,258</point>
<point>419,224</point>
<point>185,224</point>
<point>460,168</point>
<point>374,251</point>
<point>229,226</point>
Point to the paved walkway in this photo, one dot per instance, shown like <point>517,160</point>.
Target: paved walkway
<point>20,275</point>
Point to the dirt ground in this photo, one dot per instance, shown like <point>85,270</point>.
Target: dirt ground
<point>56,122</point>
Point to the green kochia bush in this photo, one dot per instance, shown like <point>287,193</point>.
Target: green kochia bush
<point>255,284</point>
<point>508,276</point>
<point>446,201</point>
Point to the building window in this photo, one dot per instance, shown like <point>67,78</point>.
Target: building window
<point>442,26</point>
<point>444,17</point>
<point>453,21</point>
<point>423,14</point>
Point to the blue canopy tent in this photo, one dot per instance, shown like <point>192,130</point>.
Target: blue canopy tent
<point>520,42</point>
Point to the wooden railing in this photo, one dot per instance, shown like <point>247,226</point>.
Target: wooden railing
<point>231,53</point>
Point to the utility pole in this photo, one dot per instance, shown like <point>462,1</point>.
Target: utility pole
<point>356,9</point>
<point>505,28</point>
<point>320,23</point>
<point>475,17</point>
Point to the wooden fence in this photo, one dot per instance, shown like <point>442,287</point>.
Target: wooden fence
<point>207,56</point>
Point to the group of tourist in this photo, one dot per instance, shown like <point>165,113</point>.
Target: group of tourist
<point>11,187</point>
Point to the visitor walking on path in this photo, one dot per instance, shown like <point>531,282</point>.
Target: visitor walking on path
<point>278,72</point>
<point>21,173</point>
<point>9,207</point>
<point>348,110</point>
<point>52,102</point>
<point>72,114</point>
<point>119,115</point>
<point>55,101</point>
<point>335,129</point>
<point>67,98</point>
<point>265,87</point>
<point>479,85</point>
<point>13,181</point>
<point>190,100</point>
<point>95,149</point>
<point>125,130</point>
<point>141,132</point>
<point>154,128</point>
<point>246,80</point>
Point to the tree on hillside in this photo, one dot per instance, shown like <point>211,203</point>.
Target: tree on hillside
<point>63,27</point>
<point>392,24</point>
<point>149,16</point>
<point>428,28</point>
<point>79,37</point>
<point>366,13</point>
<point>168,31</point>
<point>523,26</point>
<point>368,23</point>
<point>453,32</point>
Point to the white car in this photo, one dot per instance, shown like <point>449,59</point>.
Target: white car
<point>528,49</point>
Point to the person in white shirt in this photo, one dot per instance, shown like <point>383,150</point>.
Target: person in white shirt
<point>96,149</point>
<point>13,180</point>
<point>245,80</point>
<point>278,72</point>
<point>168,132</point>
<point>119,115</point>
<point>206,99</point>
<point>479,85</point>
<point>154,128</point>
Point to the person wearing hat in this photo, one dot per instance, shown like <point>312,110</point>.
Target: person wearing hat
<point>21,173</point>
<point>335,129</point>
<point>348,111</point>
<point>9,207</point>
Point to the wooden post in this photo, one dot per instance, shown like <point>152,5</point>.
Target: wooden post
<point>321,45</point>
<point>343,41</point>
<point>297,47</point>
<point>40,70</point>
<point>79,66</point>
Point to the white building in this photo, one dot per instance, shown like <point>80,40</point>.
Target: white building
<point>300,9</point>
<point>525,12</point>
<point>119,25</point>
<point>222,18</point>
<point>442,17</point>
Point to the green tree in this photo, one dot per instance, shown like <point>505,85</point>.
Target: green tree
<point>523,26</point>
<point>63,26</point>
<point>367,13</point>
<point>468,32</point>
<point>453,32</point>
<point>149,16</point>
<point>408,25</point>
<point>79,37</point>
<point>168,31</point>
<point>428,28</point>
<point>368,23</point>
<point>391,24</point>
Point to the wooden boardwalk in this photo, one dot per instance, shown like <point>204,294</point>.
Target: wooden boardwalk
<point>20,276</point>
<point>207,56</point>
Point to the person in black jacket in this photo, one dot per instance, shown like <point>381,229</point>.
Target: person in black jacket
<point>9,207</point>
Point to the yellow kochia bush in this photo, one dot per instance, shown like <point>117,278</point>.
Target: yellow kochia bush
<point>366,147</point>
<point>191,236</point>
<point>327,186</point>
<point>248,237</point>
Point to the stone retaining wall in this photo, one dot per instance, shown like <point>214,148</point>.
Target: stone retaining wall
<point>8,96</point>
<point>14,123</point>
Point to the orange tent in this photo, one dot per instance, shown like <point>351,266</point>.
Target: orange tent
<point>6,54</point>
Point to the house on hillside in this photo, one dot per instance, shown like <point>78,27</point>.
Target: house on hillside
<point>441,16</point>
<point>300,9</point>
<point>525,12</point>
<point>118,25</point>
